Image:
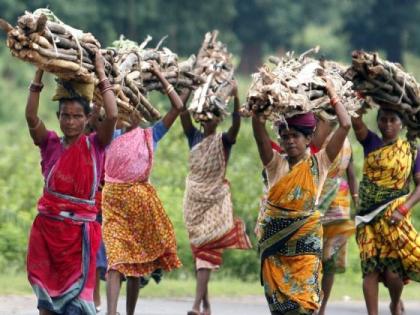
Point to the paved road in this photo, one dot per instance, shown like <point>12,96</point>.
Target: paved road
<point>25,305</point>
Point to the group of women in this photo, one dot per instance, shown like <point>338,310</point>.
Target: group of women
<point>302,228</point>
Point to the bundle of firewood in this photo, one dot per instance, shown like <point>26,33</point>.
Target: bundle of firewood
<point>42,39</point>
<point>295,86</point>
<point>45,41</point>
<point>214,63</point>
<point>386,84</point>
<point>130,75</point>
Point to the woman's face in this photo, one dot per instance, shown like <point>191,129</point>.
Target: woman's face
<point>389,125</point>
<point>294,142</point>
<point>72,119</point>
<point>210,125</point>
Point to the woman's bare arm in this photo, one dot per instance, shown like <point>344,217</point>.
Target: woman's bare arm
<point>105,130</point>
<point>236,118</point>
<point>359,127</point>
<point>173,96</point>
<point>262,139</point>
<point>344,124</point>
<point>36,126</point>
<point>186,121</point>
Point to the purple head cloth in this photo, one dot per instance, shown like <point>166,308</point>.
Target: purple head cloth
<point>304,120</point>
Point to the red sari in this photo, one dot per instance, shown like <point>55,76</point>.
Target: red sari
<point>65,237</point>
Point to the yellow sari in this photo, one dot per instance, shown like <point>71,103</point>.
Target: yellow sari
<point>290,244</point>
<point>384,187</point>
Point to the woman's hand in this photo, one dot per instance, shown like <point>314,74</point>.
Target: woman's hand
<point>356,200</point>
<point>99,64</point>
<point>329,87</point>
<point>154,67</point>
<point>396,217</point>
<point>234,92</point>
<point>38,76</point>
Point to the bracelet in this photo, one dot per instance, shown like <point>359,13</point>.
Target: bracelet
<point>36,125</point>
<point>103,84</point>
<point>105,87</point>
<point>403,209</point>
<point>355,195</point>
<point>334,101</point>
<point>108,88</point>
<point>36,87</point>
<point>169,89</point>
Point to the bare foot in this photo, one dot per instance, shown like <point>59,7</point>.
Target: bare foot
<point>206,308</point>
<point>397,309</point>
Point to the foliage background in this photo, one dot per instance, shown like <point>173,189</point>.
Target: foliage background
<point>252,29</point>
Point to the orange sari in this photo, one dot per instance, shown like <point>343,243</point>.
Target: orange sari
<point>290,245</point>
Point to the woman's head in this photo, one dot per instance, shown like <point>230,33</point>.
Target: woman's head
<point>210,126</point>
<point>73,115</point>
<point>389,123</point>
<point>296,135</point>
<point>73,105</point>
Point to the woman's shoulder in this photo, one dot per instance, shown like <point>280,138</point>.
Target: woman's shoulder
<point>51,139</point>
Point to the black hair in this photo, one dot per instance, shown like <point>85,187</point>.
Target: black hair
<point>81,100</point>
<point>390,111</point>
<point>74,96</point>
<point>306,131</point>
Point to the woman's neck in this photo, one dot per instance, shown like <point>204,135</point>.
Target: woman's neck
<point>68,141</point>
<point>209,132</point>
<point>296,159</point>
<point>389,140</point>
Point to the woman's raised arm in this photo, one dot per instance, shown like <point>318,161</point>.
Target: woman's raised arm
<point>105,129</point>
<point>344,124</point>
<point>176,101</point>
<point>36,126</point>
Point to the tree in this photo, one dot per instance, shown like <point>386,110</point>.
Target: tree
<point>381,25</point>
<point>261,24</point>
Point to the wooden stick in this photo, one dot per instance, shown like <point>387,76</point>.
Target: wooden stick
<point>40,40</point>
<point>56,28</point>
<point>128,64</point>
<point>60,55</point>
<point>5,26</point>
<point>153,111</point>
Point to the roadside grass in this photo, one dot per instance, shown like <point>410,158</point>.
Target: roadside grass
<point>347,286</point>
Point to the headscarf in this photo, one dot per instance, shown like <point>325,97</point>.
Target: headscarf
<point>306,120</point>
<point>304,123</point>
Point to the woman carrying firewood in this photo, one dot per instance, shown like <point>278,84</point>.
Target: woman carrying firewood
<point>138,235</point>
<point>208,212</point>
<point>334,205</point>
<point>388,243</point>
<point>65,237</point>
<point>291,233</point>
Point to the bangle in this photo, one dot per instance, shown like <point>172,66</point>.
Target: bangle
<point>36,125</point>
<point>36,87</point>
<point>403,209</point>
<point>103,84</point>
<point>334,101</point>
<point>108,88</point>
<point>170,88</point>
<point>105,87</point>
<point>355,195</point>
